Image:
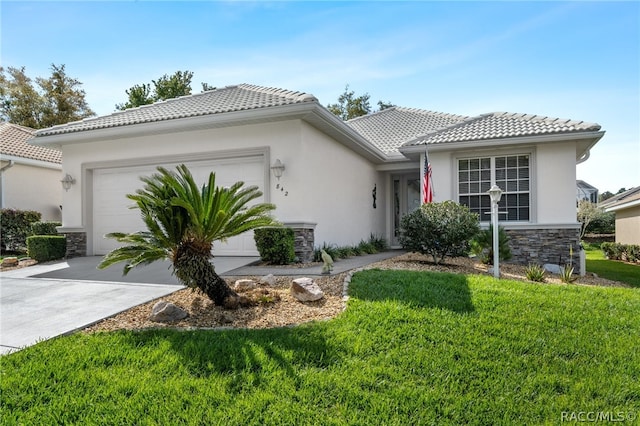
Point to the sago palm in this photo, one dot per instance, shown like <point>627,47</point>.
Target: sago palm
<point>183,221</point>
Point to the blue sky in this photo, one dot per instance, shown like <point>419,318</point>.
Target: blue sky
<point>578,60</point>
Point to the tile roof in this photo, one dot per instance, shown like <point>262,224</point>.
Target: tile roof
<point>501,125</point>
<point>13,142</point>
<point>226,99</point>
<point>390,128</point>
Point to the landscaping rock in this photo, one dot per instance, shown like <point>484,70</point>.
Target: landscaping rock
<point>305,290</point>
<point>244,285</point>
<point>550,267</point>
<point>167,312</point>
<point>268,279</point>
<point>10,261</point>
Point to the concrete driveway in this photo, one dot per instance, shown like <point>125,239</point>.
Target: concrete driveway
<point>45,301</point>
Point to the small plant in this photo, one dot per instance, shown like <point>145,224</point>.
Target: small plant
<point>482,245</point>
<point>366,247</point>
<point>566,274</point>
<point>535,272</point>
<point>379,242</point>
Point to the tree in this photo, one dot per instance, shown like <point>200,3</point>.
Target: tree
<point>587,212</point>
<point>439,229</point>
<point>351,106</point>
<point>57,99</point>
<point>64,100</point>
<point>182,223</point>
<point>166,87</point>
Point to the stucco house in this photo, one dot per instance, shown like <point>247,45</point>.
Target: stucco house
<point>342,181</point>
<point>626,207</point>
<point>29,175</point>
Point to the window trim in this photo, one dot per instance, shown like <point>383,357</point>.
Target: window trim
<point>530,151</point>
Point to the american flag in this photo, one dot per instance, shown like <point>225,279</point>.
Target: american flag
<point>427,182</point>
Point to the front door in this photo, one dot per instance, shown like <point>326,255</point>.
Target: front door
<point>406,198</point>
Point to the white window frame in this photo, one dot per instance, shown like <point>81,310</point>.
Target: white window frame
<point>492,154</point>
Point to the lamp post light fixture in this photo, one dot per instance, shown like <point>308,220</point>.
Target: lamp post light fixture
<point>277,168</point>
<point>495,193</point>
<point>67,181</point>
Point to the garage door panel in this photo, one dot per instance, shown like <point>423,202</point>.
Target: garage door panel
<point>112,212</point>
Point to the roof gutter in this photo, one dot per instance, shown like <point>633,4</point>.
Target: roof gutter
<point>7,166</point>
<point>623,206</point>
<point>29,162</point>
<point>311,112</point>
<point>413,150</point>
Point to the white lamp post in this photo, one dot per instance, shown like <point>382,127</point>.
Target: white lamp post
<point>495,193</point>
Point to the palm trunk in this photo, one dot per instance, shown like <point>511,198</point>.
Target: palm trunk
<point>196,271</point>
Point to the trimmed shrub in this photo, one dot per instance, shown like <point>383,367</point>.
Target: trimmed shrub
<point>15,226</point>
<point>46,247</point>
<point>275,245</point>
<point>439,229</point>
<point>603,223</point>
<point>482,245</point>
<point>45,228</point>
<point>617,251</point>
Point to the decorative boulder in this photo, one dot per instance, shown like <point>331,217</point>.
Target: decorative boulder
<point>167,312</point>
<point>550,267</point>
<point>10,261</point>
<point>268,279</point>
<point>244,285</point>
<point>305,290</point>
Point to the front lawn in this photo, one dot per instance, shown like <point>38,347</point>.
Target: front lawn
<point>611,269</point>
<point>412,348</point>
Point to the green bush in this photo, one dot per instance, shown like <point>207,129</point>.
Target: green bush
<point>46,247</point>
<point>617,251</point>
<point>380,243</point>
<point>15,226</point>
<point>275,245</point>
<point>603,223</point>
<point>45,228</point>
<point>482,245</point>
<point>439,229</point>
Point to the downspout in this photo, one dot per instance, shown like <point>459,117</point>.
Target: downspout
<point>584,157</point>
<point>2,169</point>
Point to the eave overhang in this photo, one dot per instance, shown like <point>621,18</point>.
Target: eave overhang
<point>584,142</point>
<point>311,112</point>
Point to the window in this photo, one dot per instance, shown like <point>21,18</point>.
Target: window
<point>511,173</point>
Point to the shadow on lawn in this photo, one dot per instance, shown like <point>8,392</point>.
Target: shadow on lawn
<point>245,357</point>
<point>422,289</point>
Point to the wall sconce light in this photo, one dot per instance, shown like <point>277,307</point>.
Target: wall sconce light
<point>67,181</point>
<point>277,169</point>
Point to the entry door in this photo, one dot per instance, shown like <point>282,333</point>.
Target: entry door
<point>406,198</point>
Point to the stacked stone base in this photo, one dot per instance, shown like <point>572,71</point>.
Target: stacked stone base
<point>542,246</point>
<point>76,244</point>
<point>304,234</point>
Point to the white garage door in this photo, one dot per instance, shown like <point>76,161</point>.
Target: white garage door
<point>112,212</point>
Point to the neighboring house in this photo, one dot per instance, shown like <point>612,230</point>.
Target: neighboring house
<point>584,191</point>
<point>342,180</point>
<point>29,175</point>
<point>626,207</point>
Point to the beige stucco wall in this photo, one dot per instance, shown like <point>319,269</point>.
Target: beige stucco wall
<point>553,177</point>
<point>628,225</point>
<point>30,187</point>
<point>327,183</point>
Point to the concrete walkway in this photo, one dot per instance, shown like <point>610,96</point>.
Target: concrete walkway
<point>48,300</point>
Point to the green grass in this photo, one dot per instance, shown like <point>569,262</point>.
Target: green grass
<point>611,269</point>
<point>412,348</point>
